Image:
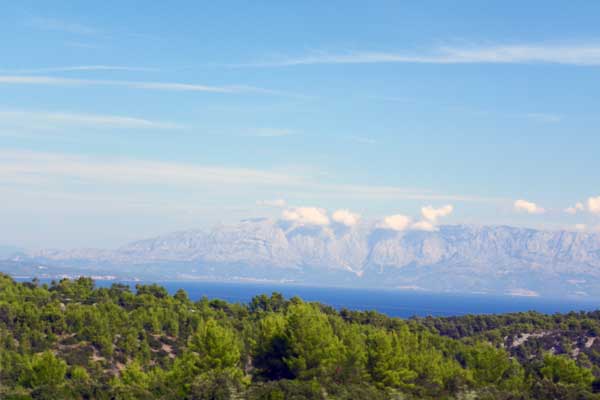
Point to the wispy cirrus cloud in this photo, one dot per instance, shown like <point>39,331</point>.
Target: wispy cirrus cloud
<point>53,167</point>
<point>18,166</point>
<point>164,86</point>
<point>381,192</point>
<point>363,140</point>
<point>544,117</point>
<point>47,120</point>
<point>587,54</point>
<point>79,68</point>
<point>59,25</point>
<point>277,203</point>
<point>84,30</point>
<point>271,132</point>
<point>81,45</point>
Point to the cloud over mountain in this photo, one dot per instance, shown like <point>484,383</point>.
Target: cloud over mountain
<point>594,205</point>
<point>306,215</point>
<point>396,222</point>
<point>528,207</point>
<point>430,217</point>
<point>424,225</point>
<point>578,207</point>
<point>432,214</point>
<point>345,217</point>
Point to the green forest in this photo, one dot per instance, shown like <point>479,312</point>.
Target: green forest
<point>72,340</point>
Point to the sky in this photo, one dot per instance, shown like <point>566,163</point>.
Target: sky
<point>122,120</point>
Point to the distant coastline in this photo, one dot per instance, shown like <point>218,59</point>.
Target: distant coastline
<point>392,302</point>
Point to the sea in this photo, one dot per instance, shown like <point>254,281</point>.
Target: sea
<point>394,303</point>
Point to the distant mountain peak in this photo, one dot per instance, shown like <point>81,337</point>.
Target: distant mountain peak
<point>495,259</point>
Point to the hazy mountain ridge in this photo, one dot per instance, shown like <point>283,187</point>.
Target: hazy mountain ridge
<point>454,258</point>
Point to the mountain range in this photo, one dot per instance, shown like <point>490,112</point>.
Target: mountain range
<point>452,258</point>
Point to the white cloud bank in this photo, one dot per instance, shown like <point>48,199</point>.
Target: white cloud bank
<point>306,216</point>
<point>528,207</point>
<point>397,222</point>
<point>430,217</point>
<point>345,217</point>
<point>578,207</point>
<point>432,214</point>
<point>593,204</point>
<point>426,226</point>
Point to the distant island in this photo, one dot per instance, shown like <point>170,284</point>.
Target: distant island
<point>450,258</point>
<point>71,340</point>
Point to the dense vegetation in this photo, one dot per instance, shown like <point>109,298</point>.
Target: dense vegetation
<point>70,340</point>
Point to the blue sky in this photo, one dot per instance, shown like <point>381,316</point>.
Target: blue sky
<point>120,121</point>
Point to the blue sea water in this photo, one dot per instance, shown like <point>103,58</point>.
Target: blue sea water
<point>393,303</point>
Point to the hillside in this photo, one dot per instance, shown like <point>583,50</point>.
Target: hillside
<point>70,340</point>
